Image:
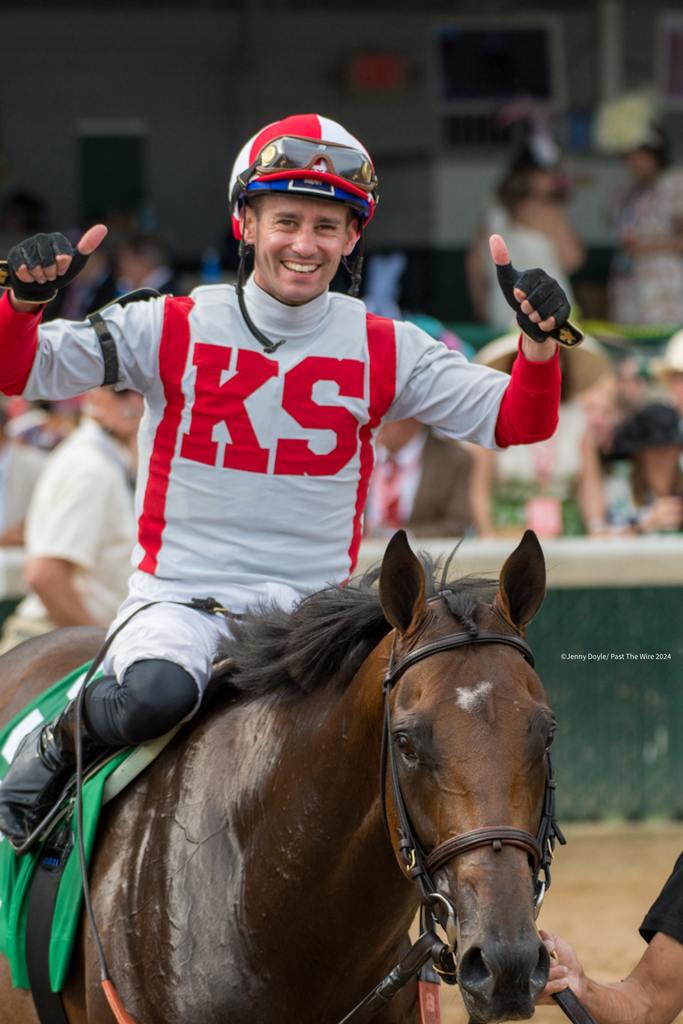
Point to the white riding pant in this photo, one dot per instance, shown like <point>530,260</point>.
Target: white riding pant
<point>185,636</point>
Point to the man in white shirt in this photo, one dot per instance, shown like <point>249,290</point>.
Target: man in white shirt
<point>80,527</point>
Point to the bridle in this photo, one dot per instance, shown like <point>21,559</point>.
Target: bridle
<point>419,865</point>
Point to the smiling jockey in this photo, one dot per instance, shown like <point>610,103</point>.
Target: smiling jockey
<point>261,406</point>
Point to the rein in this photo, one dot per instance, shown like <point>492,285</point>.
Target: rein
<point>419,865</point>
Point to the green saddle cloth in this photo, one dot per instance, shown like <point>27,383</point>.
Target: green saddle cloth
<point>16,873</point>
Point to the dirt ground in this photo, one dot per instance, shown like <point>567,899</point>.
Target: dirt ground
<point>604,881</point>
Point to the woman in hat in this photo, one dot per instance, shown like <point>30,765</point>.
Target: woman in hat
<point>646,278</point>
<point>653,440</point>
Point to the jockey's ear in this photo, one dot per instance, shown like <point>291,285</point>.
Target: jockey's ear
<point>402,585</point>
<point>521,587</point>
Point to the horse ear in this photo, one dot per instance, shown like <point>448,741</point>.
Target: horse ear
<point>402,585</point>
<point>521,587</point>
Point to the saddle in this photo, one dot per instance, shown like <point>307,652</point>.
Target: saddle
<point>40,892</point>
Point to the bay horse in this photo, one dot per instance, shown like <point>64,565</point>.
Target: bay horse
<point>253,873</point>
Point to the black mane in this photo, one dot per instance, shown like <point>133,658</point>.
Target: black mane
<point>329,634</point>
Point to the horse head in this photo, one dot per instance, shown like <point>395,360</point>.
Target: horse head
<point>469,731</point>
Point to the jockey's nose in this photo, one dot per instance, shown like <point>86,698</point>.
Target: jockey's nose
<point>305,243</point>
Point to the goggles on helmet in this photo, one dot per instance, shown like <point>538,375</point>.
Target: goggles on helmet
<point>292,156</point>
<point>291,153</point>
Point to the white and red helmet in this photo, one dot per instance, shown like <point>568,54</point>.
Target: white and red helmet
<point>304,154</point>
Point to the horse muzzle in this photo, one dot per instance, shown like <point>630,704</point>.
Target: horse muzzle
<point>500,980</point>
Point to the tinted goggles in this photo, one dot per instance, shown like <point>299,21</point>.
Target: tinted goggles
<point>290,153</point>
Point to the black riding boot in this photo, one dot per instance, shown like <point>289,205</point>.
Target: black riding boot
<point>153,696</point>
<point>41,768</point>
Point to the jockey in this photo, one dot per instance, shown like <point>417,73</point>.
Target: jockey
<point>261,405</point>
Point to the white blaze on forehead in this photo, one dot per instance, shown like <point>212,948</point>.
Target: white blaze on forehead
<point>471,697</point>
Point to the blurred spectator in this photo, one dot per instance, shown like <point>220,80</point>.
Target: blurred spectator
<point>599,403</point>
<point>633,384</point>
<point>646,280</point>
<point>383,284</point>
<point>44,424</point>
<point>420,482</point>
<point>20,468</point>
<point>553,486</point>
<point>80,528</point>
<point>143,261</point>
<point>653,440</point>
<point>604,409</point>
<point>530,212</point>
<point>669,370</point>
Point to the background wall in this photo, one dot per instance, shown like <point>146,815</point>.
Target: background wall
<point>196,83</point>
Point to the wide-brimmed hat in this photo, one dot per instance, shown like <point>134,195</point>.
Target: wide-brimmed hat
<point>627,122</point>
<point>671,361</point>
<point>581,368</point>
<point>654,426</point>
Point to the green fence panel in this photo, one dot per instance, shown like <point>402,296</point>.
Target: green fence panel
<point>619,745</point>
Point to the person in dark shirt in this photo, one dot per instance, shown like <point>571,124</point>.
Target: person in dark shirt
<point>653,991</point>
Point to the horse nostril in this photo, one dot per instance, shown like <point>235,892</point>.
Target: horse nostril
<point>539,975</point>
<point>474,975</point>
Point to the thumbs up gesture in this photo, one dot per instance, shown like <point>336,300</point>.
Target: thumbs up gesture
<point>41,265</point>
<point>540,303</point>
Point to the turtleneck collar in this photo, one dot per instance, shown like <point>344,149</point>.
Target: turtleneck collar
<point>277,320</point>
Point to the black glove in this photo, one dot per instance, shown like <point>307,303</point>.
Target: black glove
<point>41,251</point>
<point>542,291</point>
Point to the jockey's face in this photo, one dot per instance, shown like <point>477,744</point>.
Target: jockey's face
<point>298,244</point>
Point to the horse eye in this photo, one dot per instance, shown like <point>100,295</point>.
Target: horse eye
<point>403,743</point>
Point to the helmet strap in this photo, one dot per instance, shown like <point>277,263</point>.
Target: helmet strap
<point>244,252</point>
<point>354,266</point>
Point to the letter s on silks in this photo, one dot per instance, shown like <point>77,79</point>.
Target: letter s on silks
<point>547,298</point>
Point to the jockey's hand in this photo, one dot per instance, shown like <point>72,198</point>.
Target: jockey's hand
<point>538,300</point>
<point>565,969</point>
<point>43,264</point>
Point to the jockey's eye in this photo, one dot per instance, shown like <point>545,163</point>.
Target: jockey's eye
<point>405,746</point>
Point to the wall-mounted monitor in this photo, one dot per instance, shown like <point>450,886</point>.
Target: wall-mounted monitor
<point>481,66</point>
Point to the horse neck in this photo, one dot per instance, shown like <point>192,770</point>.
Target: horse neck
<point>337,803</point>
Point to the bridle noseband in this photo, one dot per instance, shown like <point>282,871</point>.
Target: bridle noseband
<point>417,864</point>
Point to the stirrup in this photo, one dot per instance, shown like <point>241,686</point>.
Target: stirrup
<point>60,810</point>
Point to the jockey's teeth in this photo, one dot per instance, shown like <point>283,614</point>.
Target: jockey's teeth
<point>301,268</point>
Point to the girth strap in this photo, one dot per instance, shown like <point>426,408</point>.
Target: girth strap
<point>41,906</point>
<point>495,837</point>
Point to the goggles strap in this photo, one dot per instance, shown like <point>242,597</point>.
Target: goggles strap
<point>354,266</point>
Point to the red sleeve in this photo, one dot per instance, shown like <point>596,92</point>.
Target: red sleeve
<point>18,345</point>
<point>529,409</point>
